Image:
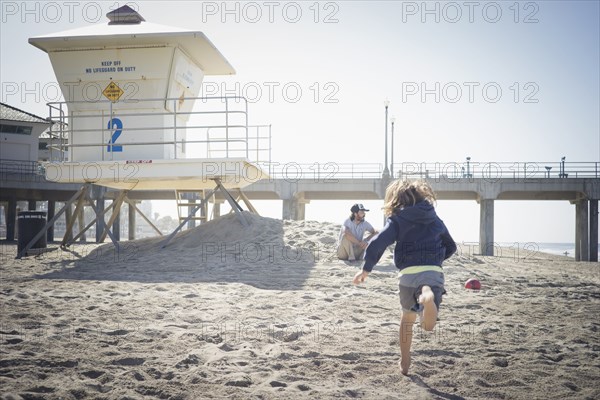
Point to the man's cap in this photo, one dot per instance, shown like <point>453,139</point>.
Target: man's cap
<point>358,207</point>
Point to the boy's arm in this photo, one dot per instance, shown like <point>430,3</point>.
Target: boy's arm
<point>377,246</point>
<point>375,250</point>
<point>448,243</point>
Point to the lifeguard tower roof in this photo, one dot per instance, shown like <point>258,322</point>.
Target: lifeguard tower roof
<point>126,29</point>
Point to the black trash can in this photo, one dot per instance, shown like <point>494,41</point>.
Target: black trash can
<point>30,223</point>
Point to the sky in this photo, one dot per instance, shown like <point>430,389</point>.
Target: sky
<point>495,81</point>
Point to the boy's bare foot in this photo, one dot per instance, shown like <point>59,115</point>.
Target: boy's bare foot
<point>404,364</point>
<point>429,308</point>
<point>426,295</point>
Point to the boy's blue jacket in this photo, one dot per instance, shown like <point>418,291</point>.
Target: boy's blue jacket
<point>420,235</point>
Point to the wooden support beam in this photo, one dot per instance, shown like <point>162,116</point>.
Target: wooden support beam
<point>116,208</point>
<point>88,226</point>
<point>132,204</point>
<point>72,218</point>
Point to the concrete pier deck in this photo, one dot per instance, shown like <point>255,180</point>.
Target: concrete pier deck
<point>296,185</point>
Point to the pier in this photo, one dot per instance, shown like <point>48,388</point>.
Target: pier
<point>297,184</point>
<point>486,183</point>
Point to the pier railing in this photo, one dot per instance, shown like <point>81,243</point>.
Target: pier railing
<point>322,171</point>
<point>17,168</point>
<point>492,170</point>
<point>330,171</point>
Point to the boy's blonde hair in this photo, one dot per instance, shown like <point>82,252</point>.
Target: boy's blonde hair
<point>405,193</point>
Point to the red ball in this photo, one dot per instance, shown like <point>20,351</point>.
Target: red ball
<point>473,284</point>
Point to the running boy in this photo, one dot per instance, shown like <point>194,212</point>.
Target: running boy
<point>422,244</point>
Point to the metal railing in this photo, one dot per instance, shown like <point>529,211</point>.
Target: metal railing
<point>322,171</point>
<point>21,171</point>
<point>20,167</point>
<point>330,171</point>
<point>491,170</point>
<point>219,129</point>
<point>57,133</point>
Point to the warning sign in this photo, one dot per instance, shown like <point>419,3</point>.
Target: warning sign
<point>113,92</point>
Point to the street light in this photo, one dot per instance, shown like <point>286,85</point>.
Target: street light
<point>386,171</point>
<point>562,168</point>
<point>392,120</point>
<point>468,170</point>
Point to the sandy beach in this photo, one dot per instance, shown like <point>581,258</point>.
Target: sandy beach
<point>267,312</point>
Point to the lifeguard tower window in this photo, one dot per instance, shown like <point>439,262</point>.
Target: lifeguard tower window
<point>16,129</point>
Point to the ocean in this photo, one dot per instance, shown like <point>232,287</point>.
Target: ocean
<point>562,249</point>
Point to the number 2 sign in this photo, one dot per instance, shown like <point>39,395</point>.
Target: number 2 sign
<point>112,124</point>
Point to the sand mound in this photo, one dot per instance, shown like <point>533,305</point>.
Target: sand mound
<point>268,253</point>
<point>264,239</point>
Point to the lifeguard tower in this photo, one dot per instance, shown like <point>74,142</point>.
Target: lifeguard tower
<point>130,88</point>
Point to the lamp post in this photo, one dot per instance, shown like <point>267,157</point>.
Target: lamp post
<point>468,169</point>
<point>386,171</point>
<point>392,120</point>
<point>562,168</point>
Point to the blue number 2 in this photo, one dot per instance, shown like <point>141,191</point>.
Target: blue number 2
<point>115,122</point>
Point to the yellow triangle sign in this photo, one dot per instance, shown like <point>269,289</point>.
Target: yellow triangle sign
<point>113,92</point>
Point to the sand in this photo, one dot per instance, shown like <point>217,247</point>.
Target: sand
<point>267,312</point>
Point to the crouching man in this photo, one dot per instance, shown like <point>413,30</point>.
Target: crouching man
<point>352,243</point>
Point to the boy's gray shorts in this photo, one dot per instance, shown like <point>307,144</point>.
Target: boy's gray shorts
<point>410,289</point>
